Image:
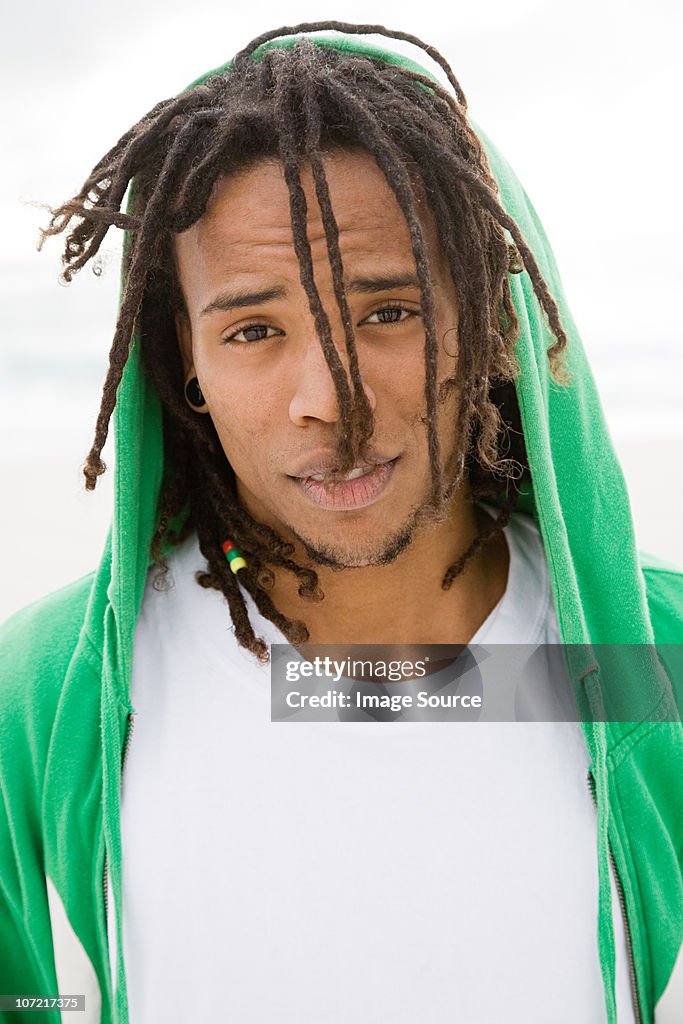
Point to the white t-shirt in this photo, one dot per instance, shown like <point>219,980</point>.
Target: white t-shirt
<point>337,872</point>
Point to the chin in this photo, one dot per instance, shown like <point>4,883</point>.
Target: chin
<point>338,555</point>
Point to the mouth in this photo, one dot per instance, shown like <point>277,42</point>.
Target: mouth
<point>359,488</point>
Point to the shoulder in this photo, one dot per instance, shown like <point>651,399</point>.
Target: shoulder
<point>56,617</point>
<point>38,642</point>
<point>664,588</point>
<point>37,648</point>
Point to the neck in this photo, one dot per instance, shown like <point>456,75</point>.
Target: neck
<point>404,602</point>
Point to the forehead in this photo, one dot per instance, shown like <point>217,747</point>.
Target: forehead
<point>247,226</point>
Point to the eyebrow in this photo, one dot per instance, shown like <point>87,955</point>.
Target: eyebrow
<point>238,300</point>
<point>384,283</point>
<point>227,301</point>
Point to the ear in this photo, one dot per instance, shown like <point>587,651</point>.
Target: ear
<point>184,335</point>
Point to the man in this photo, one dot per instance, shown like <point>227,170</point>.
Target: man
<point>355,410</point>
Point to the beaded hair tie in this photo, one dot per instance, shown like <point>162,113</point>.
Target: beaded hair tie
<point>234,557</point>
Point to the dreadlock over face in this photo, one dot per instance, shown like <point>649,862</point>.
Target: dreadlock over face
<point>296,103</point>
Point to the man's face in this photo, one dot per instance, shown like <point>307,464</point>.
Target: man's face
<point>251,340</point>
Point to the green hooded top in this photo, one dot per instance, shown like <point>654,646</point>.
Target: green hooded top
<point>66,672</point>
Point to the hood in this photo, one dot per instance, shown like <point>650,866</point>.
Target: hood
<point>577,493</point>
<point>577,496</point>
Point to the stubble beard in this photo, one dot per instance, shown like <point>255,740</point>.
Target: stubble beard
<point>386,551</point>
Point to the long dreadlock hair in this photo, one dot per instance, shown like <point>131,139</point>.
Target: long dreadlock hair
<point>296,101</point>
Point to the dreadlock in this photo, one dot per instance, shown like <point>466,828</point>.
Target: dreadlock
<point>295,101</point>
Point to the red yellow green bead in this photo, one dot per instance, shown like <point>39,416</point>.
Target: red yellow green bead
<point>234,557</point>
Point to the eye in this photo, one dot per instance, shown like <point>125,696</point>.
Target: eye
<point>390,315</point>
<point>251,334</point>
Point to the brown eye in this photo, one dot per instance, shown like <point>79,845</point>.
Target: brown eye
<point>257,333</point>
<point>389,315</point>
<point>252,333</point>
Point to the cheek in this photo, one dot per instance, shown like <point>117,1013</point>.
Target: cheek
<point>395,372</point>
<point>246,416</point>
<point>239,421</point>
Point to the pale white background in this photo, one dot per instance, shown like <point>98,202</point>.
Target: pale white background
<point>583,98</point>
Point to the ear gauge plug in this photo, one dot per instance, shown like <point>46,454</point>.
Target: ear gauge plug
<point>193,394</point>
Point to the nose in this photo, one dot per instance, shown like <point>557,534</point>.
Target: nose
<point>315,396</point>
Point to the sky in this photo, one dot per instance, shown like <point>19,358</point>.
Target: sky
<point>582,98</point>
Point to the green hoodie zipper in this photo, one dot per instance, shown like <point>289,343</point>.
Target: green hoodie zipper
<point>130,721</point>
<point>627,926</point>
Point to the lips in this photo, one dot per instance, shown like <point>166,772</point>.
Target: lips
<point>361,487</point>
